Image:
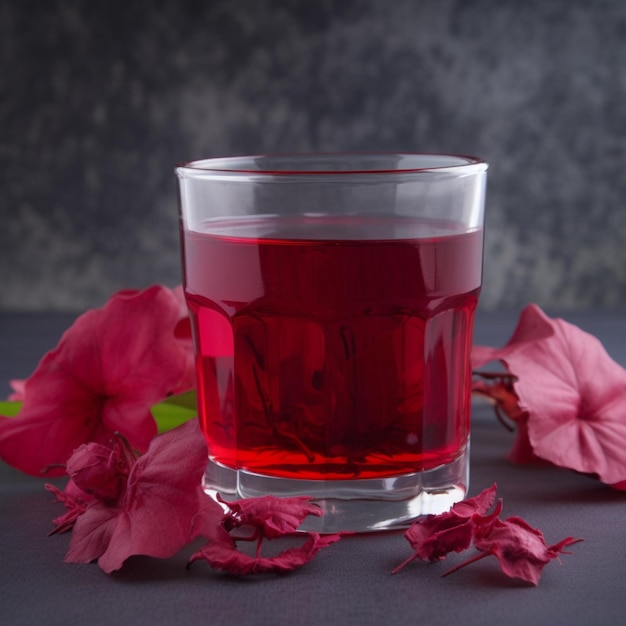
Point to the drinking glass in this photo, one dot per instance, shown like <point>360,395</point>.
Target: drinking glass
<point>332,302</point>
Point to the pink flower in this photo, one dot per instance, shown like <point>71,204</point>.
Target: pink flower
<point>568,397</point>
<point>108,369</point>
<point>153,506</point>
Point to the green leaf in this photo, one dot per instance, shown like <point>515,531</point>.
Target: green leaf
<point>174,411</point>
<point>10,409</point>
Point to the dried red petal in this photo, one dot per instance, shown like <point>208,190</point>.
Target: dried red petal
<point>272,516</point>
<point>226,557</point>
<point>478,505</point>
<point>269,517</point>
<point>520,548</point>
<point>434,536</point>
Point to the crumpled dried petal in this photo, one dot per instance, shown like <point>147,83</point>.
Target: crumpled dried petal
<point>520,548</point>
<point>434,536</point>
<point>225,556</point>
<point>109,368</point>
<point>160,508</point>
<point>269,517</point>
<point>572,393</point>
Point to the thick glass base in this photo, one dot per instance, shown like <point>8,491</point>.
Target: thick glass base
<point>359,505</point>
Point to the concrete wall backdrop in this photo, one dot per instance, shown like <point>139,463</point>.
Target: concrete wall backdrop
<point>99,101</point>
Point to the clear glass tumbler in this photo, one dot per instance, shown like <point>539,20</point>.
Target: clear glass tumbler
<point>332,300</point>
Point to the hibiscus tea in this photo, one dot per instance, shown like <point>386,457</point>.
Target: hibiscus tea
<point>332,338</point>
<point>333,358</point>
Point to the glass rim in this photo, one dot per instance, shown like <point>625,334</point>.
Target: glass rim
<point>234,166</point>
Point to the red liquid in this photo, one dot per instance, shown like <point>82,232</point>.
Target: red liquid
<point>333,358</point>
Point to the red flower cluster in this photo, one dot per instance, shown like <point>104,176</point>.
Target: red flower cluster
<point>109,368</point>
<point>564,393</point>
<point>520,549</point>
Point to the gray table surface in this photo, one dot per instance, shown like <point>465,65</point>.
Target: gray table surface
<point>350,582</point>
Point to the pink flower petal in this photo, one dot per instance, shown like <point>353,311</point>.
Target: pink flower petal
<point>92,533</point>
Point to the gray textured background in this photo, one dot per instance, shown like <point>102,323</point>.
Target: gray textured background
<point>99,101</point>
